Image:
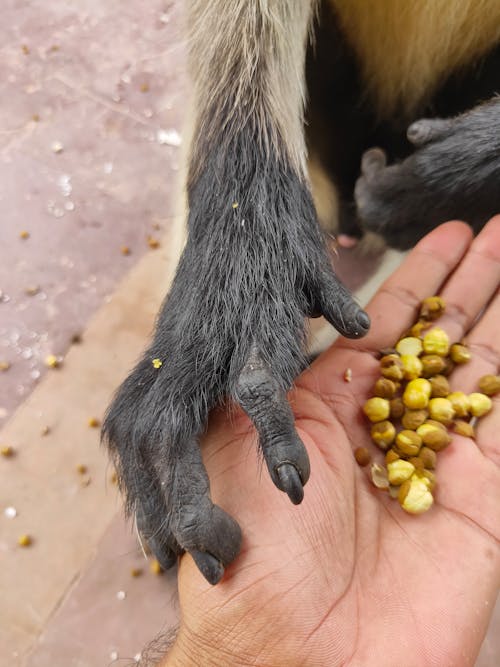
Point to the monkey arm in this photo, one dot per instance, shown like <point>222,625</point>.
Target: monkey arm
<point>454,173</point>
<point>254,267</point>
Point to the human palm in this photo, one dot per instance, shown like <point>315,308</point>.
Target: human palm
<point>347,577</point>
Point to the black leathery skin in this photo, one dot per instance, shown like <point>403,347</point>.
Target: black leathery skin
<point>265,402</point>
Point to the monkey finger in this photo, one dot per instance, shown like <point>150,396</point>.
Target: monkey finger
<point>210,535</point>
<point>175,514</point>
<point>373,161</point>
<point>265,402</point>
<point>151,525</point>
<point>338,306</point>
<point>428,129</point>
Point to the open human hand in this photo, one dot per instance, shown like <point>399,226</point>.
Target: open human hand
<point>347,577</point>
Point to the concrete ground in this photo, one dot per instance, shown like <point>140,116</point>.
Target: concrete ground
<point>93,99</point>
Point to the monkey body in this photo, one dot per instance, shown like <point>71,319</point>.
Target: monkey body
<point>373,69</point>
<point>256,264</point>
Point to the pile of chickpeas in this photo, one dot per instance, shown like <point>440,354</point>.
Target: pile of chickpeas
<point>413,409</point>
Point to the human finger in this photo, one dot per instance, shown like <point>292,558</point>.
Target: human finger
<point>484,345</point>
<point>473,284</point>
<point>394,308</point>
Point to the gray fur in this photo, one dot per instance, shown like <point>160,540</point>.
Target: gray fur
<point>256,265</point>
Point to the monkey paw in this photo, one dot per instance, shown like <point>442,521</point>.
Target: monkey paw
<point>231,329</point>
<point>453,174</point>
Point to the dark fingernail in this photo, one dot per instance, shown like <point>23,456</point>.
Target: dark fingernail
<point>363,320</point>
<point>290,482</point>
<point>165,556</point>
<point>211,568</point>
<point>166,560</point>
